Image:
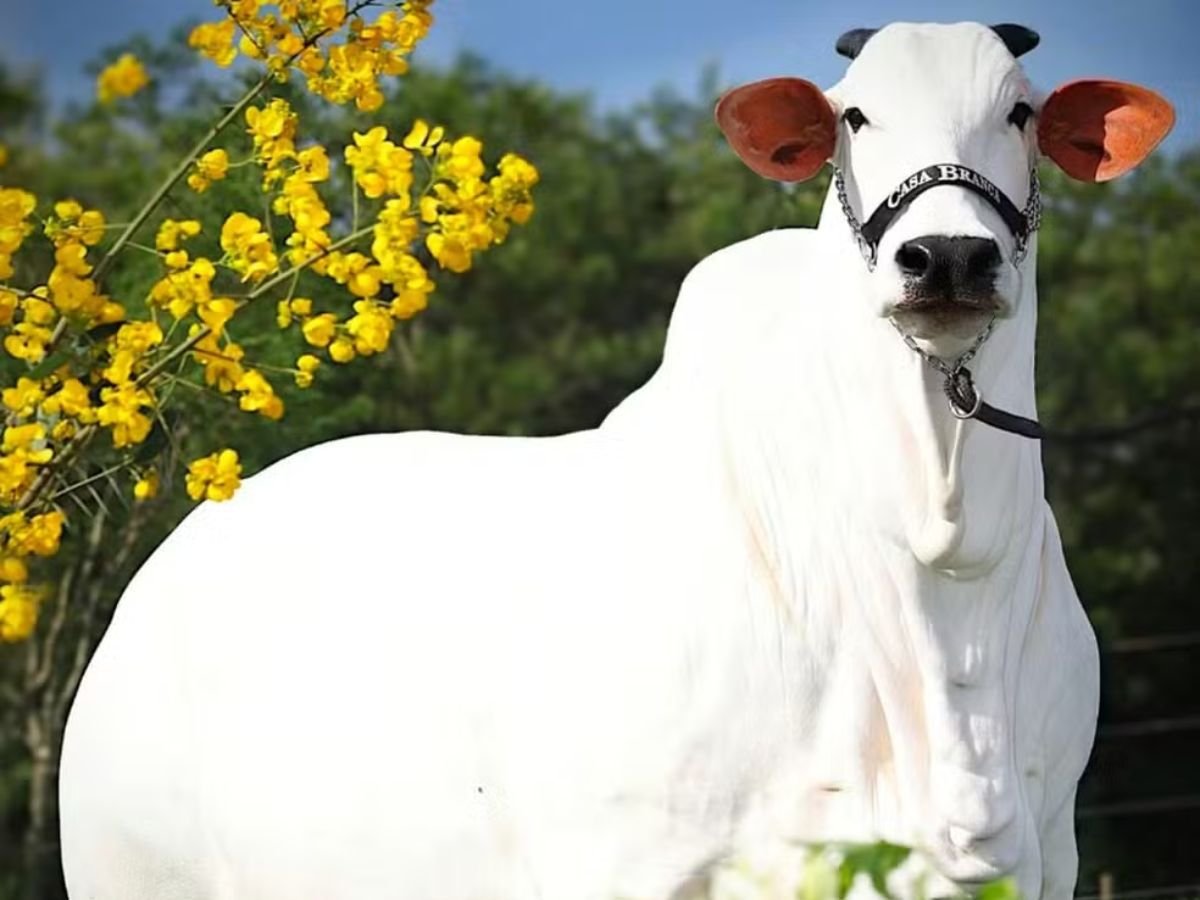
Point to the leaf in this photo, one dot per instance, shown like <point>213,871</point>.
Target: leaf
<point>158,437</point>
<point>50,363</point>
<point>1004,889</point>
<point>877,861</point>
<point>102,332</point>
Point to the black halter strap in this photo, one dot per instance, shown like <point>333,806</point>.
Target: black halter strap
<point>933,176</point>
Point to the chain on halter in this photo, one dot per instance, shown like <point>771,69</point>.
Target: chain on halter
<point>964,398</point>
<point>868,251</point>
<point>868,235</point>
<point>1033,218</point>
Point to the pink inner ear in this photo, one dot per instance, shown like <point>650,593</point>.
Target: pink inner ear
<point>1096,129</point>
<point>782,128</point>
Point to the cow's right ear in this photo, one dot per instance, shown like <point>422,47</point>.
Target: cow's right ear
<point>1096,129</point>
<point>782,128</point>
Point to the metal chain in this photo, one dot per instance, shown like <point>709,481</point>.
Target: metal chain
<point>936,361</point>
<point>868,251</point>
<point>1033,218</point>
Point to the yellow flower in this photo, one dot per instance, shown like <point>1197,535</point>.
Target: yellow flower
<point>258,395</point>
<point>247,247</point>
<point>3,156</point>
<point>138,337</point>
<point>216,312</point>
<point>450,251</point>
<point>121,411</point>
<point>21,438</point>
<point>407,304</point>
<point>146,487</point>
<point>71,258</point>
<point>28,342</point>
<point>356,272</point>
<point>379,165</point>
<point>285,310</point>
<point>15,207</point>
<point>314,163</point>
<point>70,294</point>
<point>341,350</point>
<point>510,189</point>
<point>306,368</point>
<point>25,397</point>
<point>172,231</point>
<point>128,346</point>
<point>71,222</point>
<point>18,456</point>
<point>18,611</point>
<point>273,129</point>
<point>422,139</point>
<point>40,535</point>
<point>222,365</point>
<point>459,161</point>
<point>13,570</point>
<point>72,399</point>
<point>319,330</point>
<point>8,306</point>
<point>124,78</point>
<point>214,477</point>
<point>394,232</point>
<point>212,166</point>
<point>370,327</point>
<point>215,40</point>
<point>176,259</point>
<point>180,291</point>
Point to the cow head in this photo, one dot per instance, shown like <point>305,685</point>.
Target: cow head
<point>941,103</point>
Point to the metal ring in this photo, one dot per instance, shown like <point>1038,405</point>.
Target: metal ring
<point>959,414</point>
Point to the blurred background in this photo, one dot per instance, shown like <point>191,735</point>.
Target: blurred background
<point>613,103</point>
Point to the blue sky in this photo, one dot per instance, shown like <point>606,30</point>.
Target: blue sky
<point>619,50</point>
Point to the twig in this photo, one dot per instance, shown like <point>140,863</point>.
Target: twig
<point>176,176</point>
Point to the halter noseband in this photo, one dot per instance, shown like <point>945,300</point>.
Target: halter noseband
<point>963,396</point>
<point>1022,223</point>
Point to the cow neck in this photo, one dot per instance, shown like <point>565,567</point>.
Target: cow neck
<point>961,474</point>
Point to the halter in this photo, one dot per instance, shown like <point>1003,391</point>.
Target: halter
<point>1022,223</point>
<point>964,398</point>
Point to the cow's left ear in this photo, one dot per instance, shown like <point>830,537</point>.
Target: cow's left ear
<point>782,128</point>
<point>1097,129</point>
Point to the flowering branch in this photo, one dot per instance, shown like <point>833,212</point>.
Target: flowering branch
<point>118,372</point>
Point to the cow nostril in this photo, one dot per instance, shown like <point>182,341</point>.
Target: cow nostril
<point>913,258</point>
<point>983,256</point>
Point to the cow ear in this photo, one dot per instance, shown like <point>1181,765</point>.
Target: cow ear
<point>782,128</point>
<point>1097,129</point>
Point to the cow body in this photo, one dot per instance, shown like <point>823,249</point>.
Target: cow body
<point>779,594</point>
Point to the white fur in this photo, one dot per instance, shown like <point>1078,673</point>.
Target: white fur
<point>780,594</point>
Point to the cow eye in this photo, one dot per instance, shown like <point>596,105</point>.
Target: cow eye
<point>1020,114</point>
<point>854,118</point>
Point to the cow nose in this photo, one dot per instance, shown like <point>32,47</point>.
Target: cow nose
<point>950,266</point>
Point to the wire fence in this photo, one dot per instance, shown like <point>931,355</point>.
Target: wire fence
<point>1145,806</point>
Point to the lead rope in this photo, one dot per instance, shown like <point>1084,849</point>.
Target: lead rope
<point>964,397</point>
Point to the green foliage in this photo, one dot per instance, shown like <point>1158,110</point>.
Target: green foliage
<point>876,861</point>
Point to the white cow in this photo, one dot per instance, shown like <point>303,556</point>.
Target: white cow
<point>781,593</point>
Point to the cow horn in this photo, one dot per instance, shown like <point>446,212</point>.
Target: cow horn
<point>1017,38</point>
<point>851,43</point>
